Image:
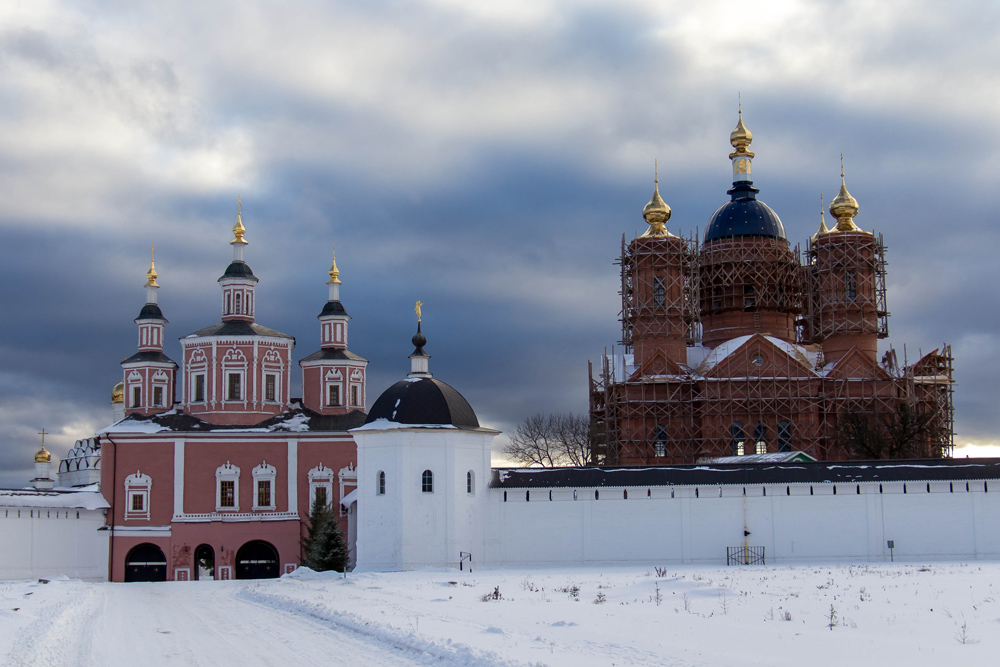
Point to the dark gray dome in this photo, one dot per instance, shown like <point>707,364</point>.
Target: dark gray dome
<point>423,401</point>
<point>333,308</point>
<point>150,311</point>
<point>744,215</point>
<point>238,270</point>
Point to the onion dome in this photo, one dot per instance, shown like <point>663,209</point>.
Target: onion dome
<point>43,455</point>
<point>656,213</point>
<point>822,223</point>
<point>334,271</point>
<point>118,392</point>
<point>151,274</point>
<point>844,207</point>
<point>238,229</point>
<point>744,214</point>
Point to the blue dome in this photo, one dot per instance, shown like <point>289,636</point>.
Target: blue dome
<point>744,215</point>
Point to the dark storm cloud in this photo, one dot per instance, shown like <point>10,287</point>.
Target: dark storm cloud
<point>484,158</point>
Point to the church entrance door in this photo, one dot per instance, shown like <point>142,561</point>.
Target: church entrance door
<point>257,560</point>
<point>204,563</point>
<point>145,562</point>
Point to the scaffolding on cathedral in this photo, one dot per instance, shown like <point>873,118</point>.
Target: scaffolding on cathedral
<point>792,402</point>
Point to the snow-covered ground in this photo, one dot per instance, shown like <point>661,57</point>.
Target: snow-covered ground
<point>934,614</point>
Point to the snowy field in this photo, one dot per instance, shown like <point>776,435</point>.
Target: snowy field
<point>912,614</point>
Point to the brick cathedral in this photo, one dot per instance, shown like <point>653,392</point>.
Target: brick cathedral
<point>738,344</point>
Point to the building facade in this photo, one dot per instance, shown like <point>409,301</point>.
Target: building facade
<point>739,344</point>
<point>217,482</point>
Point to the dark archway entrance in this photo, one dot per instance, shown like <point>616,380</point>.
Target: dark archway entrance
<point>145,562</point>
<point>204,563</point>
<point>257,560</point>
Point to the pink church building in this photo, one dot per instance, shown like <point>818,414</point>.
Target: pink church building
<point>219,483</point>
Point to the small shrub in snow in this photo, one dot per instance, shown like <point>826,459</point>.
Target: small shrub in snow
<point>495,595</point>
<point>831,618</point>
<point>962,636</point>
<point>661,572</point>
<point>601,598</point>
<point>787,616</point>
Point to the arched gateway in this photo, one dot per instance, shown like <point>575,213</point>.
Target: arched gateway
<point>146,562</point>
<point>257,560</point>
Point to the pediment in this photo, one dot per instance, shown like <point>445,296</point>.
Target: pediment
<point>758,356</point>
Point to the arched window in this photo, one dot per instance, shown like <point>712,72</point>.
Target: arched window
<point>239,303</point>
<point>470,483</point>
<point>738,438</point>
<point>760,437</point>
<point>784,436</point>
<point>381,483</point>
<point>660,446</point>
<point>658,292</point>
<point>427,481</point>
<point>851,285</point>
<point>229,306</point>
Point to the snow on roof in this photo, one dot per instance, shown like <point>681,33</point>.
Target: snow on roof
<point>383,424</point>
<point>88,498</point>
<point>770,457</point>
<point>798,352</point>
<point>349,498</point>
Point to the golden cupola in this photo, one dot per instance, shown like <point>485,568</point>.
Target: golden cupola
<point>118,392</point>
<point>656,213</point>
<point>238,229</point>
<point>822,222</point>
<point>151,275</point>
<point>844,207</point>
<point>741,138</point>
<point>43,455</point>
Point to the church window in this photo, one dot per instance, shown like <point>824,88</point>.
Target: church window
<point>851,285</point>
<point>320,496</point>
<point>228,493</point>
<point>660,446</point>
<point>158,396</point>
<point>320,485</point>
<point>784,436</point>
<point>333,395</point>
<point>229,303</point>
<point>263,477</point>
<point>470,483</point>
<point>227,488</point>
<point>749,297</point>
<point>354,396</point>
<point>136,397</point>
<point>238,303</point>
<point>427,481</point>
<point>199,388</point>
<point>264,493</point>
<point>658,292</point>
<point>234,387</point>
<point>738,438</point>
<point>381,483</point>
<point>717,297</point>
<point>137,488</point>
<point>269,387</point>
<point>760,438</point>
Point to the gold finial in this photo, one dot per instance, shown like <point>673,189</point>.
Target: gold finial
<point>822,221</point>
<point>741,137</point>
<point>43,456</point>
<point>656,212</point>
<point>151,274</point>
<point>238,229</point>
<point>844,207</point>
<point>416,309</point>
<point>334,271</point>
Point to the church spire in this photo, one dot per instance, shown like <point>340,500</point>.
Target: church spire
<point>418,360</point>
<point>334,281</point>
<point>741,138</point>
<point>151,275</point>
<point>844,207</point>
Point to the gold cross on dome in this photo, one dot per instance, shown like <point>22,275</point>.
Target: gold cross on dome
<point>43,434</point>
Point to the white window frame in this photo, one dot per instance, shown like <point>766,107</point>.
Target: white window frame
<point>137,485</point>
<point>160,380</point>
<point>234,363</point>
<point>333,377</point>
<point>227,473</point>
<point>320,477</point>
<point>275,366</point>
<point>264,473</point>
<point>134,382</point>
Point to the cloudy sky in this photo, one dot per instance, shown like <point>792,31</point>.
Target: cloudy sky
<point>484,157</point>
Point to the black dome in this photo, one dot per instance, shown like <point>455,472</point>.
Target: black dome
<point>333,308</point>
<point>238,270</point>
<point>423,401</point>
<point>150,311</point>
<point>744,215</point>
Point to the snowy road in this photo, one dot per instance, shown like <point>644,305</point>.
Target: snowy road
<point>72,623</point>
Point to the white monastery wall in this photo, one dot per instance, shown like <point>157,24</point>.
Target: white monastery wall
<point>41,542</point>
<point>795,522</point>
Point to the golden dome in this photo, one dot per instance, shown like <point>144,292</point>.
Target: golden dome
<point>151,274</point>
<point>656,213</point>
<point>238,228</point>
<point>334,271</point>
<point>822,222</point>
<point>844,207</point>
<point>741,138</point>
<point>118,392</point>
<point>42,455</point>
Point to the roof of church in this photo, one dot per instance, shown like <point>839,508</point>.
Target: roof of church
<point>297,419</point>
<point>847,472</point>
<point>150,355</point>
<point>88,498</point>
<point>151,311</point>
<point>744,215</point>
<point>333,353</point>
<point>333,308</point>
<point>424,401</point>
<point>238,270</point>
<point>238,328</point>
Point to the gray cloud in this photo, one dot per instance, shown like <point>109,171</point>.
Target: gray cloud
<point>485,158</point>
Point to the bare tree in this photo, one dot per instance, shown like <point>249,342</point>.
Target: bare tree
<point>897,434</point>
<point>552,440</point>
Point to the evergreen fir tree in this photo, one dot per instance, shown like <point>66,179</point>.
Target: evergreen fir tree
<point>324,547</point>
